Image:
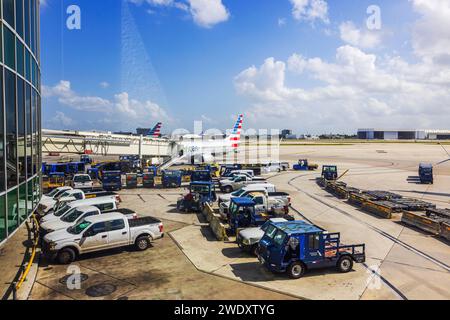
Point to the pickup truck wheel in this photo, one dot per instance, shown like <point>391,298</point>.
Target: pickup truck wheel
<point>296,270</point>
<point>345,264</point>
<point>142,243</point>
<point>66,256</point>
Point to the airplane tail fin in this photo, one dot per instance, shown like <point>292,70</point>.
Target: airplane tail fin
<point>235,136</point>
<point>156,131</point>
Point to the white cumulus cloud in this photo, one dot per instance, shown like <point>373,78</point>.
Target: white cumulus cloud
<point>360,38</point>
<point>205,13</point>
<point>121,109</point>
<point>310,10</point>
<point>356,87</point>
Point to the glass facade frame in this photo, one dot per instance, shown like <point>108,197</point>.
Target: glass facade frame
<point>19,196</point>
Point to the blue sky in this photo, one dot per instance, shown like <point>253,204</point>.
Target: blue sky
<point>309,65</point>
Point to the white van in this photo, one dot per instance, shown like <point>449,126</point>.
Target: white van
<point>102,203</point>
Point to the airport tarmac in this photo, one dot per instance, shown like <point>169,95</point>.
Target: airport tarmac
<point>402,262</point>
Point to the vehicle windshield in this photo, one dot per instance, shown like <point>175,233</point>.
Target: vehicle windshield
<point>199,189</point>
<point>53,193</point>
<point>265,226</point>
<point>279,238</point>
<point>329,169</point>
<point>79,227</point>
<point>64,194</point>
<point>62,210</point>
<point>171,173</point>
<point>271,231</point>
<point>82,179</point>
<point>238,193</point>
<point>71,216</point>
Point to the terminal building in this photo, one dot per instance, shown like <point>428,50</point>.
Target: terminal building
<point>20,114</point>
<point>383,134</point>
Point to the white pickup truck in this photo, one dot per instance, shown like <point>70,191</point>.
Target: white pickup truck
<point>82,181</point>
<point>238,182</point>
<point>74,216</point>
<point>245,190</point>
<point>101,232</point>
<point>73,195</point>
<point>103,203</point>
<point>49,200</point>
<point>55,193</point>
<point>274,203</point>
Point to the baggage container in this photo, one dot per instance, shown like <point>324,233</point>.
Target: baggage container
<point>421,221</point>
<point>132,180</point>
<point>445,230</point>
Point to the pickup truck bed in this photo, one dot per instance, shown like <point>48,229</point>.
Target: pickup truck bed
<point>134,223</point>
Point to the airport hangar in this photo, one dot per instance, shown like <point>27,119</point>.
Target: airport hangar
<point>383,134</point>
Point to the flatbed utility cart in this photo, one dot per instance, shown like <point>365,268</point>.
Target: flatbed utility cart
<point>297,246</point>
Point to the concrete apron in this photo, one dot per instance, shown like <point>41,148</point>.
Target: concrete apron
<point>226,260</point>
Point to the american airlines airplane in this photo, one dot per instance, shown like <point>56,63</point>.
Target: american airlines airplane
<point>204,149</point>
<point>156,131</point>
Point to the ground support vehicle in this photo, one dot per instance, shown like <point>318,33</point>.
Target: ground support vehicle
<point>171,179</point>
<point>329,172</point>
<point>304,165</point>
<point>112,180</point>
<point>248,239</point>
<point>276,203</point>
<point>295,247</point>
<point>86,159</point>
<point>199,194</point>
<point>426,173</point>
<point>148,180</point>
<point>201,176</point>
<point>101,232</point>
<point>55,180</point>
<point>131,180</point>
<point>243,214</point>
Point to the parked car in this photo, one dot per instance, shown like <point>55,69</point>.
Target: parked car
<point>101,232</point>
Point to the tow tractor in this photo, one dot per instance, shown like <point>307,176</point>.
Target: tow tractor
<point>304,165</point>
<point>243,214</point>
<point>329,173</point>
<point>297,246</point>
<point>200,192</point>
